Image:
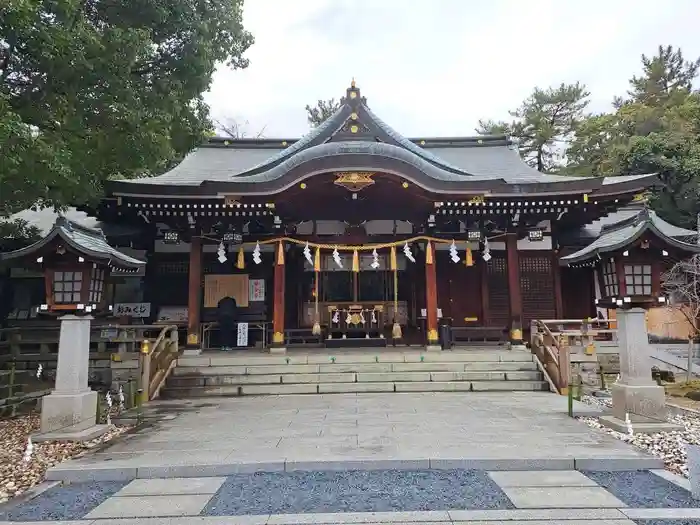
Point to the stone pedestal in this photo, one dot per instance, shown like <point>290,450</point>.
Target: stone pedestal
<point>636,393</point>
<point>278,349</point>
<point>70,411</point>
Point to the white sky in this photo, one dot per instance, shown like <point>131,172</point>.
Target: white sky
<point>435,67</point>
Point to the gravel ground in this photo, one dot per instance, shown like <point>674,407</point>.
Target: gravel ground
<point>643,489</point>
<point>669,446</point>
<point>66,502</point>
<point>356,491</point>
<point>17,475</point>
<point>667,522</point>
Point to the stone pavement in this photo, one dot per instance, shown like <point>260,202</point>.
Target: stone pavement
<point>486,431</point>
<point>481,498</point>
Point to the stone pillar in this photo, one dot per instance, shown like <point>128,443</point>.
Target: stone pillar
<point>70,411</point>
<point>277,345</point>
<point>431,306</point>
<point>636,394</point>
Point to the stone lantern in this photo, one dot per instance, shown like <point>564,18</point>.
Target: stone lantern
<point>75,261</point>
<point>628,259</point>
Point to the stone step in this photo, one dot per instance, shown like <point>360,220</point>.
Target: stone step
<point>349,377</point>
<point>348,388</point>
<point>248,360</point>
<point>184,370</point>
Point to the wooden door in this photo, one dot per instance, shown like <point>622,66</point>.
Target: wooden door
<point>459,291</point>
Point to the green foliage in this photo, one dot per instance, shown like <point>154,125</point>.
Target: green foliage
<point>97,89</point>
<point>543,124</point>
<point>321,111</point>
<point>655,130</point>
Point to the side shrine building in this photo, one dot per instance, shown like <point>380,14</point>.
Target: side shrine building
<point>356,236</point>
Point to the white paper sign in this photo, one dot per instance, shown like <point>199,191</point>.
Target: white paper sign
<point>256,290</point>
<point>132,310</point>
<point>242,336</point>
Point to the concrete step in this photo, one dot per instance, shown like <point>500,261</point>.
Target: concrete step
<point>349,377</point>
<point>333,368</point>
<point>256,359</point>
<point>347,388</point>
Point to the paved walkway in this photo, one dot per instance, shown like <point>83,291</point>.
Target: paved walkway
<point>426,497</point>
<point>486,431</point>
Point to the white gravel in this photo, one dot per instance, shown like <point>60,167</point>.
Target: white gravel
<point>17,475</point>
<point>669,446</point>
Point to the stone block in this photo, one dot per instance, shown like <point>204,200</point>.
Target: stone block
<point>612,464</point>
<point>150,506</point>
<point>434,386</point>
<point>526,375</point>
<point>482,386</point>
<point>540,516</point>
<point>515,356</point>
<point>561,497</point>
<point>427,367</point>
<point>207,470</point>
<point>358,464</point>
<point>347,377</point>
<point>69,412</point>
<point>173,486</point>
<point>193,361</point>
<point>70,472</point>
<point>541,478</point>
<point>301,388</point>
<point>282,369</point>
<point>393,376</point>
<point>355,367</point>
<point>503,464</point>
<point>208,370</point>
<point>351,388</point>
<point>243,379</point>
<point>643,403</point>
<point>467,376</point>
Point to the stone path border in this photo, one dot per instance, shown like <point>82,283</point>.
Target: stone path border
<point>104,472</point>
<point>555,516</point>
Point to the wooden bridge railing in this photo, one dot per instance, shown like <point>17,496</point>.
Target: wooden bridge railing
<point>560,343</point>
<point>157,361</point>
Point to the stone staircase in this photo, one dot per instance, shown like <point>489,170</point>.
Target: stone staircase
<point>353,371</point>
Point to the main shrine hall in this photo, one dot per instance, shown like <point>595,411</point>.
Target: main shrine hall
<point>354,235</point>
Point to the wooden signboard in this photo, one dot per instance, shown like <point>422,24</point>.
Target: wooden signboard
<point>216,287</point>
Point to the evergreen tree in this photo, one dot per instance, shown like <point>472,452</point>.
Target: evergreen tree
<point>321,111</point>
<point>97,89</point>
<point>543,124</point>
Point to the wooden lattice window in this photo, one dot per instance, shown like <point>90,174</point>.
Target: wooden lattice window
<point>638,279</point>
<point>67,287</point>
<point>97,282</point>
<point>611,287</point>
<point>537,287</point>
<point>499,302</point>
<point>173,267</point>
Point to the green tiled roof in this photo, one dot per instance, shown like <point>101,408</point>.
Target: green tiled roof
<point>88,242</point>
<point>616,236</point>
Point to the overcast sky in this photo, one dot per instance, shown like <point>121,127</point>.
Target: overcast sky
<point>435,67</point>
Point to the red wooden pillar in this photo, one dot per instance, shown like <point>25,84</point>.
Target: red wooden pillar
<point>278,299</point>
<point>516,302</point>
<point>194,292</point>
<point>431,321</point>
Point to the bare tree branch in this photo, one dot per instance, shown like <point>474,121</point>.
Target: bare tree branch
<point>682,284</point>
<point>236,130</point>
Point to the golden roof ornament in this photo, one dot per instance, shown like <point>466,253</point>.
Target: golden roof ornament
<point>352,83</point>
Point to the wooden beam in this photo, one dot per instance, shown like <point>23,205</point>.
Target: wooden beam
<point>431,322</point>
<point>278,298</point>
<point>516,303</point>
<point>194,293</point>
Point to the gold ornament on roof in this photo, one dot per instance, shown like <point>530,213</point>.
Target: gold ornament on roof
<point>354,128</point>
<point>477,199</point>
<point>354,180</point>
<point>352,83</point>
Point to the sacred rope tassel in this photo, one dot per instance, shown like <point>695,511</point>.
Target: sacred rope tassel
<point>240,262</point>
<point>355,261</point>
<point>396,329</point>
<point>316,330</point>
<point>317,260</point>
<point>468,258</point>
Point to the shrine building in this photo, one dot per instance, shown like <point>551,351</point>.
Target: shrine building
<point>354,235</point>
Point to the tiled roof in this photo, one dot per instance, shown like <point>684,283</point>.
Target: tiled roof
<point>617,235</point>
<point>87,241</point>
